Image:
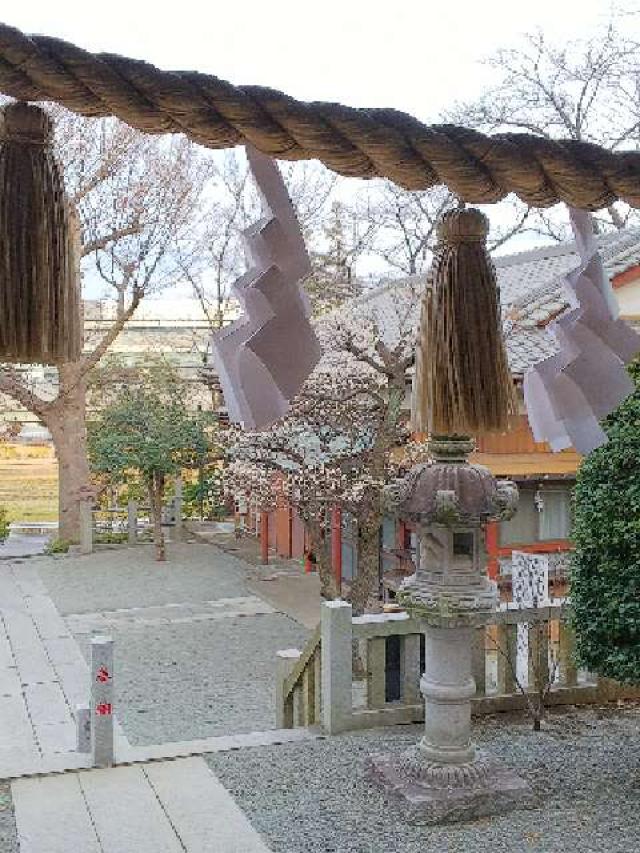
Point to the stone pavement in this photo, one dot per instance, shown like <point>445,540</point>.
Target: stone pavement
<point>42,677</point>
<point>162,807</point>
<point>290,591</point>
<point>23,545</point>
<point>195,648</point>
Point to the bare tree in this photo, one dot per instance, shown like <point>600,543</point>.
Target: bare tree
<point>587,90</point>
<point>132,195</point>
<point>212,256</point>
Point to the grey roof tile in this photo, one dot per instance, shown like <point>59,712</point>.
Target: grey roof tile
<point>529,281</point>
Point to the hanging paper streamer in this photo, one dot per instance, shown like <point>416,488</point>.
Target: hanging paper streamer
<point>567,394</point>
<point>263,358</point>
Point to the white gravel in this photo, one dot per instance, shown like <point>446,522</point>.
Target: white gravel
<point>315,797</point>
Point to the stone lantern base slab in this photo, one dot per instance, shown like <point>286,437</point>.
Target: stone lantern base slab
<point>433,794</point>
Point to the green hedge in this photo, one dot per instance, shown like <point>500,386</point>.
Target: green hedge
<point>605,582</point>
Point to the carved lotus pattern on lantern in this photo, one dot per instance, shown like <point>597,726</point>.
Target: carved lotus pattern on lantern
<point>450,490</point>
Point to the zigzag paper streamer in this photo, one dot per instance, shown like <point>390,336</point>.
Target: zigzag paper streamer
<point>567,394</point>
<point>263,358</point>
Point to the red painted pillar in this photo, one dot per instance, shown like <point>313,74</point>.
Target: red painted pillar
<point>491,544</point>
<point>264,537</point>
<point>336,544</point>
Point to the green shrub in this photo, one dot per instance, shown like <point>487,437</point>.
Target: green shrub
<point>4,524</point>
<point>605,580</point>
<point>58,546</point>
<point>113,537</point>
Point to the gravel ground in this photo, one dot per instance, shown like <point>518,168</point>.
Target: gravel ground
<point>195,680</point>
<point>585,768</point>
<point>130,577</point>
<point>8,839</point>
<point>178,681</point>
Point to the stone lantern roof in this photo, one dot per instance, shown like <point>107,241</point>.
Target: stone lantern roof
<point>450,490</point>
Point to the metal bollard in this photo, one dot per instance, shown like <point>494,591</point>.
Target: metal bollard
<point>102,696</point>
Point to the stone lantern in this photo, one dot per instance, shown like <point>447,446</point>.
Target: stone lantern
<point>444,777</point>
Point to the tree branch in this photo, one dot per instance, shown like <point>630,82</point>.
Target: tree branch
<point>12,385</point>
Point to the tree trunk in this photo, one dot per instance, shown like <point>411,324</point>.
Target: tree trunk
<point>322,552</point>
<point>365,590</point>
<point>65,419</point>
<point>156,494</point>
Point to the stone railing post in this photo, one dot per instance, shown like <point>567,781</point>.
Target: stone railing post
<point>285,661</point>
<point>86,525</point>
<point>132,522</point>
<point>102,701</point>
<point>336,640</point>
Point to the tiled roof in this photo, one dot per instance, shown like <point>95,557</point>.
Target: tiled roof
<point>530,282</point>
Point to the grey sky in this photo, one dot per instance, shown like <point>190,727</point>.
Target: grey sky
<point>414,55</point>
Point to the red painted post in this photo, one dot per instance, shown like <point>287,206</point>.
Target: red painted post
<point>336,545</point>
<point>264,537</point>
<point>491,544</point>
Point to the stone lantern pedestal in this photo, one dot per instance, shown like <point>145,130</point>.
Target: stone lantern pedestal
<point>444,778</point>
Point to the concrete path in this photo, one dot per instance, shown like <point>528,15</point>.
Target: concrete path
<point>291,592</point>
<point>23,545</point>
<point>42,677</point>
<point>165,807</point>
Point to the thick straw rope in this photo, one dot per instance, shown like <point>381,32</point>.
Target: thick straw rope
<point>354,142</point>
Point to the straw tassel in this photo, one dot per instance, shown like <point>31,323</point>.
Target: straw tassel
<point>463,383</point>
<point>39,282</point>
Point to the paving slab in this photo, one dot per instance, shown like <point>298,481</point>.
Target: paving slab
<point>52,816</point>
<point>46,703</point>
<point>204,814</point>
<point>126,812</point>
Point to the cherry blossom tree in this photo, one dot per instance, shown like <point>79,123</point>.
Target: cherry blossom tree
<point>346,433</point>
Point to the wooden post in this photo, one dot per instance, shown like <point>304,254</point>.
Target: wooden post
<point>538,672</point>
<point>264,538</point>
<point>336,545</point>
<point>132,522</point>
<point>568,669</point>
<point>507,641</point>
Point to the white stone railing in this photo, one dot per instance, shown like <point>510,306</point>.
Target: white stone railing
<point>318,686</point>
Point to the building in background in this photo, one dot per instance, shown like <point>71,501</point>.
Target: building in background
<point>176,329</point>
<point>532,294</point>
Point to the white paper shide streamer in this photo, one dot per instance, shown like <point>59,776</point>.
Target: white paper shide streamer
<point>264,357</point>
<point>567,394</point>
